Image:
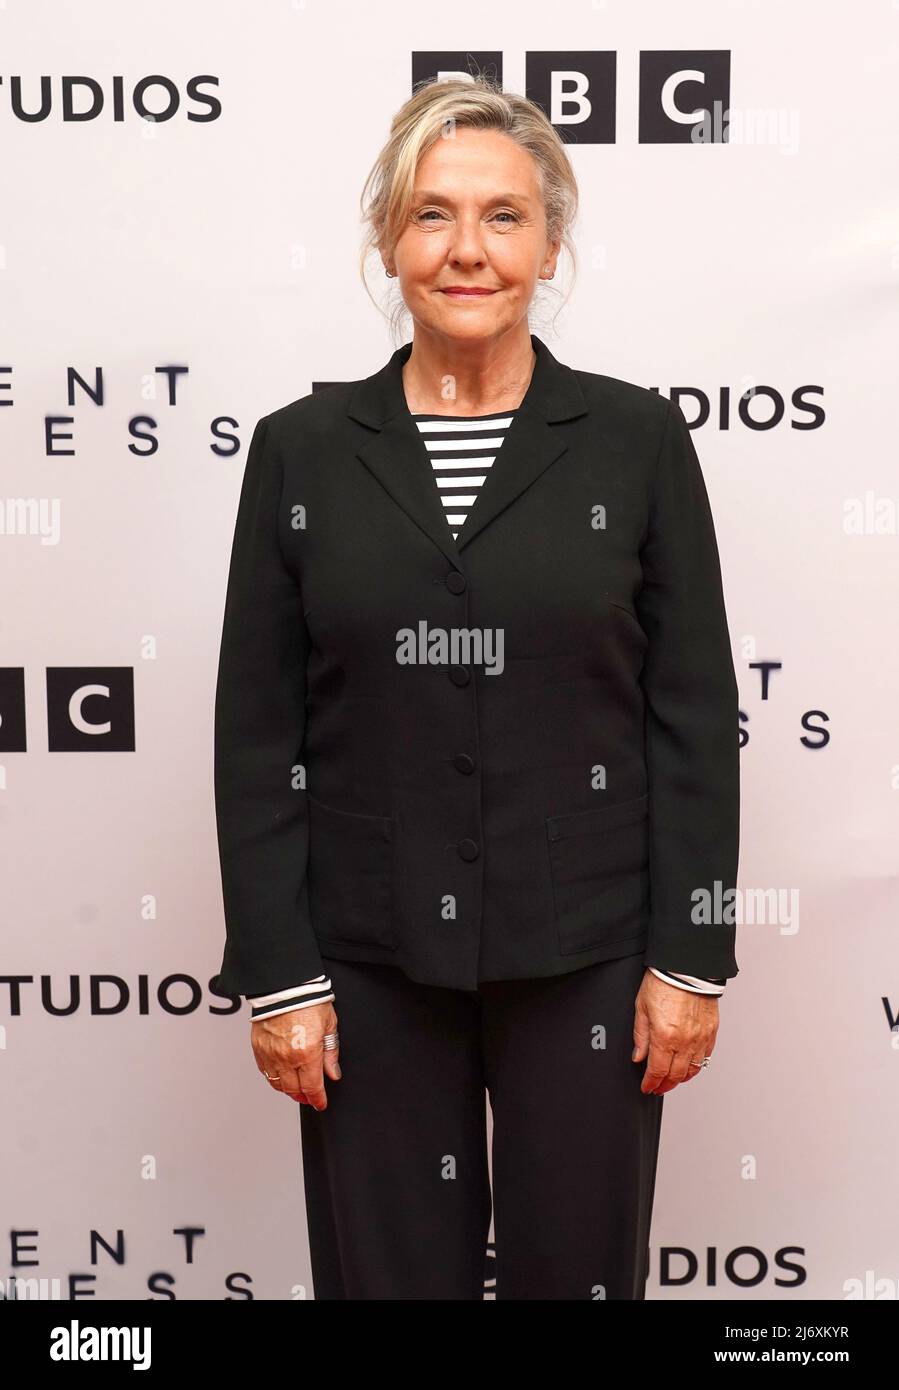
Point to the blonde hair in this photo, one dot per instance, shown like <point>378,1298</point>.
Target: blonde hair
<point>441,105</point>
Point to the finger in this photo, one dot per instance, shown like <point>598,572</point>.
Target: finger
<point>268,1070</point>
<point>273,1071</point>
<point>290,1082</point>
<point>657,1067</point>
<point>686,1065</point>
<point>695,1067</point>
<point>331,1063</point>
<point>311,1081</point>
<point>298,1043</point>
<point>267,1064</point>
<point>278,1077</point>
<point>679,1071</point>
<point>641,1035</point>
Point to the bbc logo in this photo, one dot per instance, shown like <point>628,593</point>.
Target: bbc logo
<point>679,89</point>
<point>90,709</point>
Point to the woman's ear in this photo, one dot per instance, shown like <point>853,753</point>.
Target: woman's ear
<point>548,269</point>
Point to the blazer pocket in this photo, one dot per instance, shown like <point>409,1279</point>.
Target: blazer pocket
<point>599,866</point>
<point>350,876</point>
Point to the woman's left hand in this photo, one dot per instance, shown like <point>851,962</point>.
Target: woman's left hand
<point>672,1028</point>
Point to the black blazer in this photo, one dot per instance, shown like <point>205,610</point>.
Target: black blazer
<point>510,755</point>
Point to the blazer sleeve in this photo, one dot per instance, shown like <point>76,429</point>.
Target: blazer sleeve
<point>261,815</point>
<point>691,730</point>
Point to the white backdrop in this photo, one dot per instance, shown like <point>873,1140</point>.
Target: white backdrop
<point>228,248</point>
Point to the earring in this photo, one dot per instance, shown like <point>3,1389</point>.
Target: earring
<point>388,273</point>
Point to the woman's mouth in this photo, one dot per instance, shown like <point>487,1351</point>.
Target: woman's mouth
<point>465,292</point>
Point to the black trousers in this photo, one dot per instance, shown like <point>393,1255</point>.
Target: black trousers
<point>396,1176</point>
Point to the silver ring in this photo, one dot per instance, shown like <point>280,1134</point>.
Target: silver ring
<point>330,1041</point>
<point>271,1078</point>
<point>706,1061</point>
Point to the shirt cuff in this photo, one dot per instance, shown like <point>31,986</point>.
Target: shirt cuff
<point>694,984</point>
<point>315,991</point>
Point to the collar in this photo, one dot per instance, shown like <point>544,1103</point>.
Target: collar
<point>396,455</point>
<point>554,392</point>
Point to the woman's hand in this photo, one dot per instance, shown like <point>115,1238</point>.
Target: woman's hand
<point>673,1027</point>
<point>289,1047</point>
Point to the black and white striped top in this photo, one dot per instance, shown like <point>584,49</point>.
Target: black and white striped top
<point>462,450</point>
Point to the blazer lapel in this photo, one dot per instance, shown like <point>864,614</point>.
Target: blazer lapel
<point>399,460</point>
<point>397,457</point>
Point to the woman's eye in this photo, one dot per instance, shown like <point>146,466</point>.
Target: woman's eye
<point>434,214</point>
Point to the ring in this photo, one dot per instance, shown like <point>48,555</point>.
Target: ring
<point>271,1078</point>
<point>330,1041</point>
<point>706,1061</point>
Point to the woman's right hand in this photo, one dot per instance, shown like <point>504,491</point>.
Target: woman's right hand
<point>289,1047</point>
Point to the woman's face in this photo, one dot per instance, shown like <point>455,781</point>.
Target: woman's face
<point>477,223</point>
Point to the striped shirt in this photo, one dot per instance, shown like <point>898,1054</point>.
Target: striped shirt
<point>462,450</point>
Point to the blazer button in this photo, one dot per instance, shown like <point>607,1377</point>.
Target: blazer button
<point>463,763</point>
<point>455,582</point>
<point>459,675</point>
<point>468,849</point>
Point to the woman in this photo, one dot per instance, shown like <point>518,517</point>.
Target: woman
<point>475,598</point>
